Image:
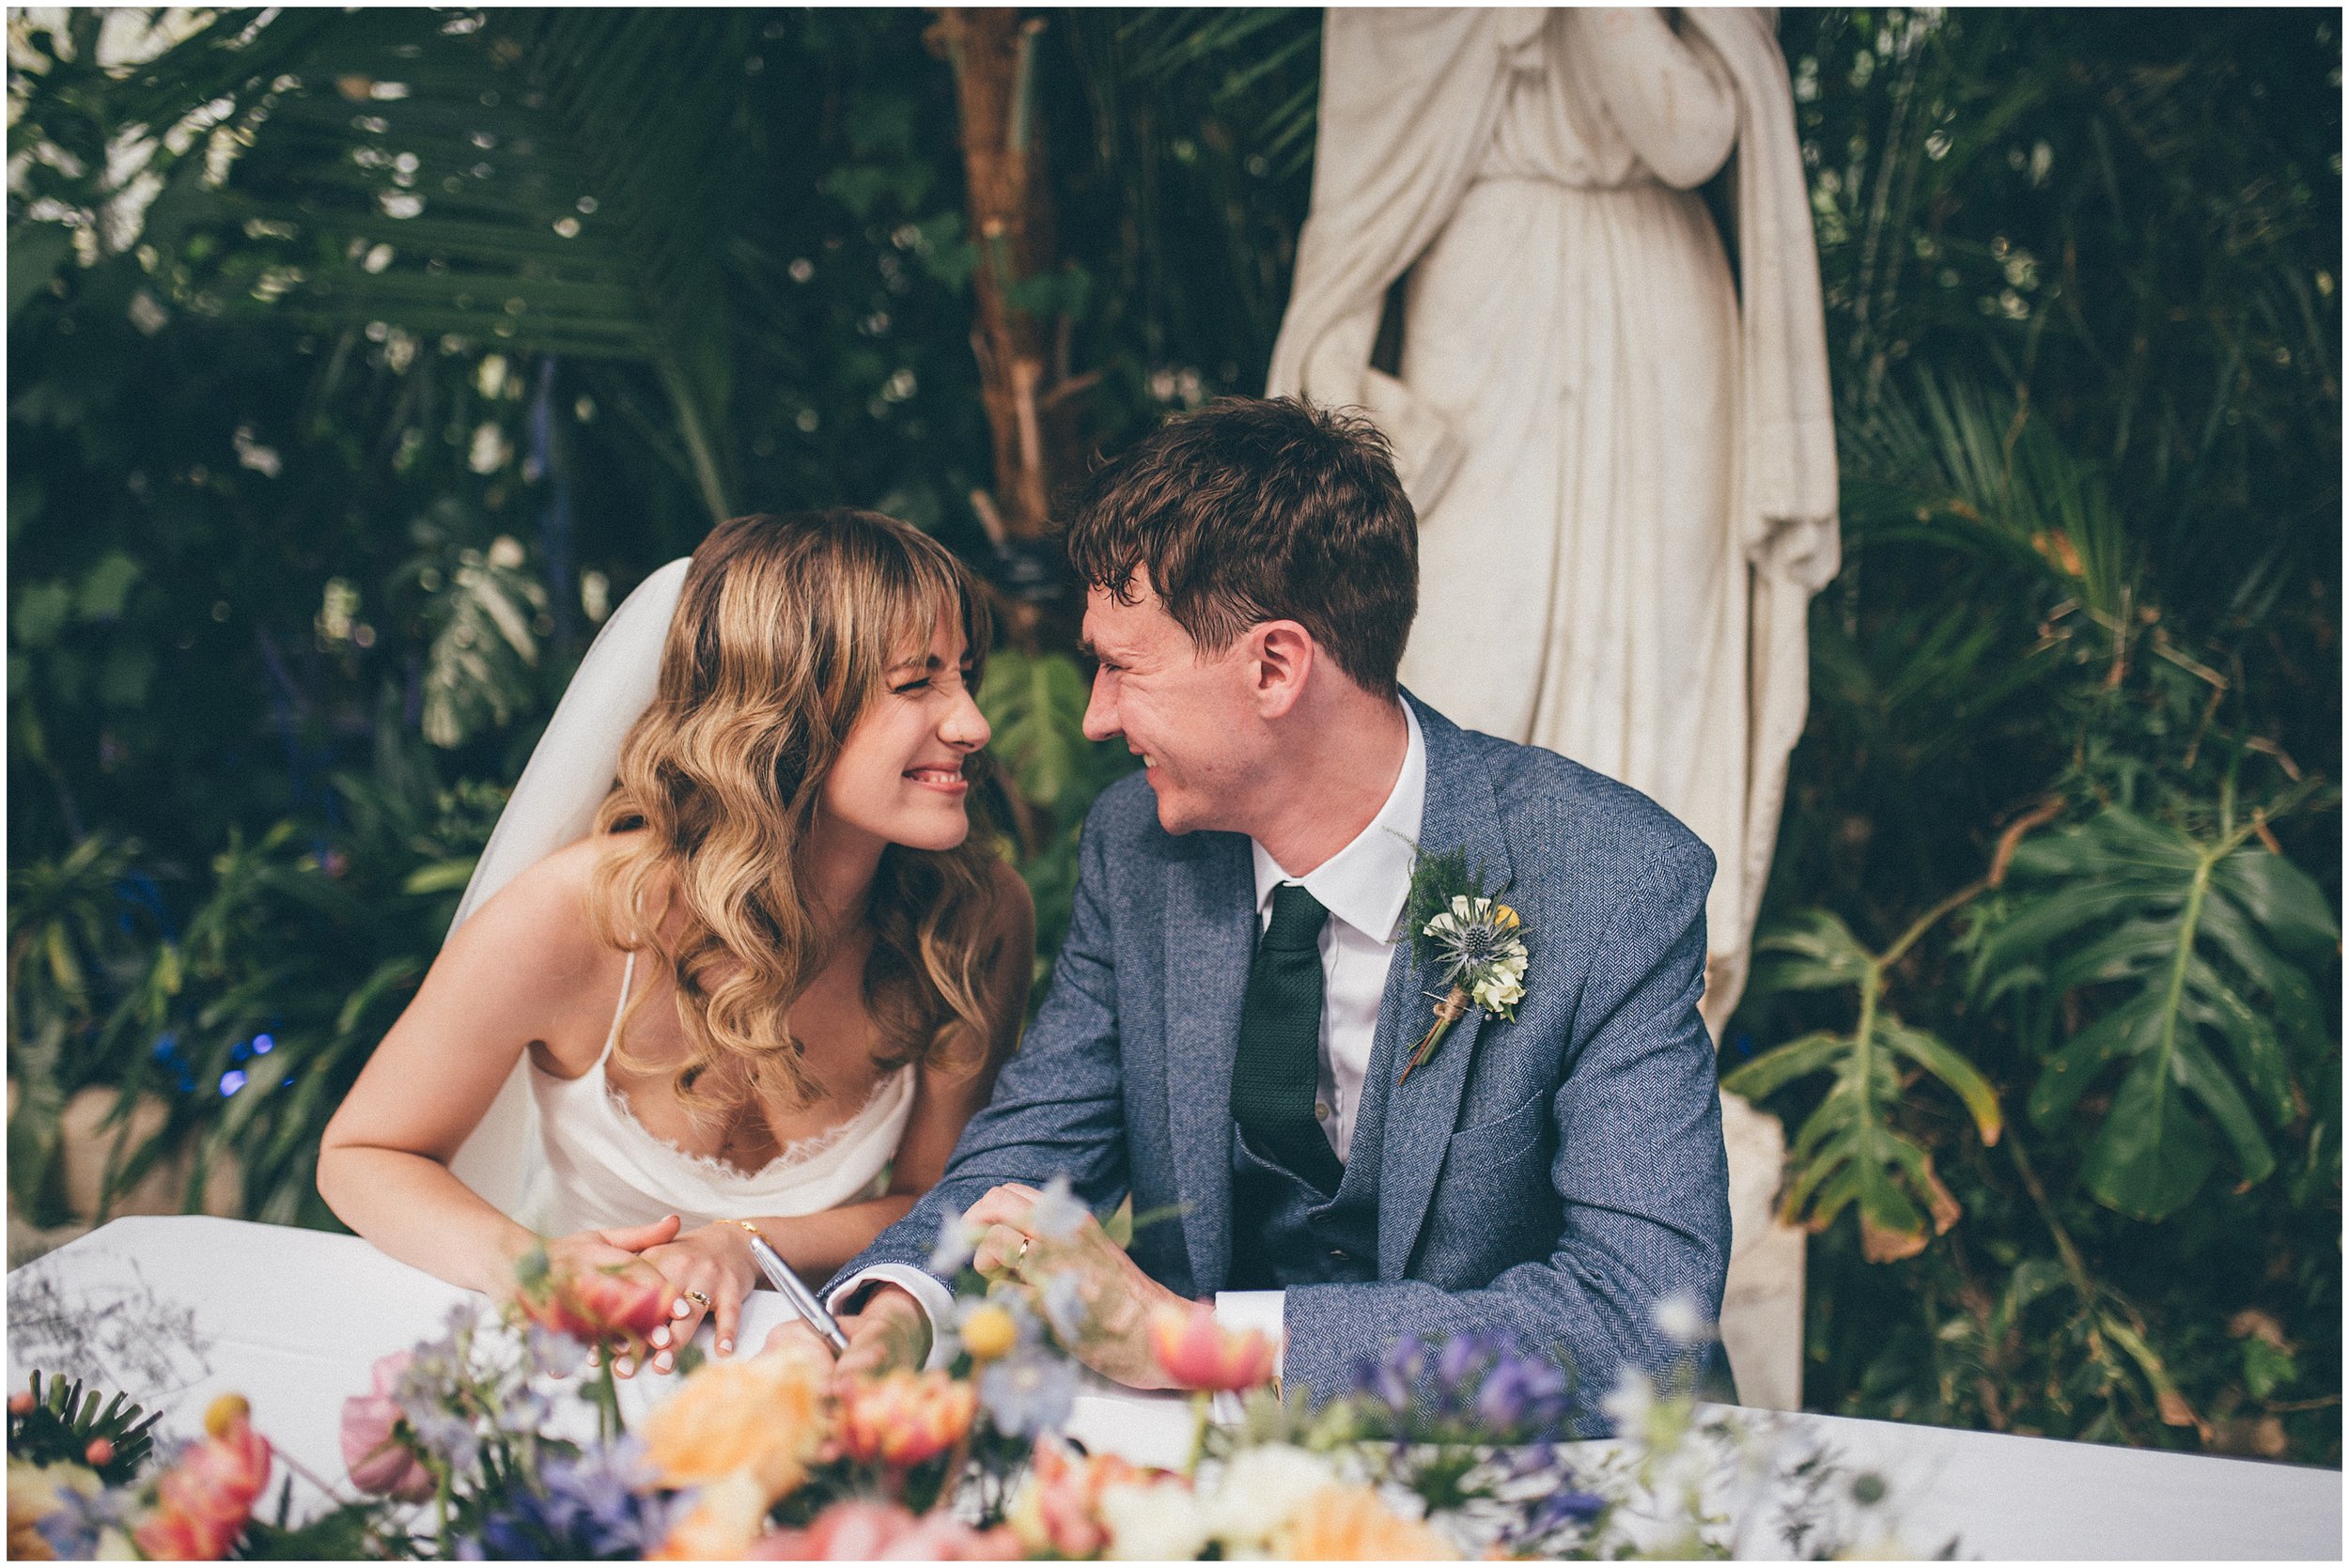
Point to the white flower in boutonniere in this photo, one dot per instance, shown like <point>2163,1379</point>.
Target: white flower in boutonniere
<point>1479,942</point>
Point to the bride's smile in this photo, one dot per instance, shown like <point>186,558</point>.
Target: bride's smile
<point>899,777</point>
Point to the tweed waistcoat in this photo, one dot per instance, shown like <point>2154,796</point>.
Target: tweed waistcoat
<point>1286,1232</point>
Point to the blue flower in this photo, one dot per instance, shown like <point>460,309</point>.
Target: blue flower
<point>448,1437</point>
<point>957,1238</point>
<point>1057,1216</point>
<point>1062,1300</point>
<point>1028,1393</point>
<point>598,1505</point>
<point>554,1355</point>
<point>73,1527</point>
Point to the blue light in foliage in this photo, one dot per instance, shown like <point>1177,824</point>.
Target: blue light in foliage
<point>238,1051</point>
<point>263,1044</point>
<point>232,1080</point>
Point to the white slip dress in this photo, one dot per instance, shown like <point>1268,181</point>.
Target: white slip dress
<point>602,1167</point>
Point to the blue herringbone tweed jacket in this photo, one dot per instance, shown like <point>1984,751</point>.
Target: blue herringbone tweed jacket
<point>1554,1176</point>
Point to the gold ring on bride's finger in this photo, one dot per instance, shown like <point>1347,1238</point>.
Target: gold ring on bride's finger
<point>1023,1253</point>
<point>697,1299</point>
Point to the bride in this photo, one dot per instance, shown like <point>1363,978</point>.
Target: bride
<point>771,985</point>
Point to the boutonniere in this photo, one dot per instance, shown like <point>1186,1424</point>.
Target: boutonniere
<point>1479,942</point>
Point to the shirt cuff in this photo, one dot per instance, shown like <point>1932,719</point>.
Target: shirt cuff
<point>1239,1311</point>
<point>936,1303</point>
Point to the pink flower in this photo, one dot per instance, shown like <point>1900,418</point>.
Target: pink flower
<point>204,1500</point>
<point>378,1461</point>
<point>1197,1353</point>
<point>625,1301</point>
<point>1057,1511</point>
<point>860,1529</point>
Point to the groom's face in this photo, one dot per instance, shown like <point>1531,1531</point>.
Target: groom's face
<point>1188,714</point>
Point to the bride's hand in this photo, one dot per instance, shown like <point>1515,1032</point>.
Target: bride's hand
<point>711,1271</point>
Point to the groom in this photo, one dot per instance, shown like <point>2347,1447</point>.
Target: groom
<point>1235,1003</point>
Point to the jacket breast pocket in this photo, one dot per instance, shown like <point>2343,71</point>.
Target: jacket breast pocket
<point>1505,1137</point>
<point>1493,1205</point>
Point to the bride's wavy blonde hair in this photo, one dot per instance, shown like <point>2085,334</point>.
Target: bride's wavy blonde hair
<point>784,634</point>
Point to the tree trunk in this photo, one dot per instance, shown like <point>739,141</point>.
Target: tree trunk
<point>1030,396</point>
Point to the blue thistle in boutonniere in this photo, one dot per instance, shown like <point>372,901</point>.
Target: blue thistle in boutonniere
<point>1478,942</point>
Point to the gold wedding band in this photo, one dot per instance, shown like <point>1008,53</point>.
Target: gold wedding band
<point>697,1299</point>
<point>1023,1253</point>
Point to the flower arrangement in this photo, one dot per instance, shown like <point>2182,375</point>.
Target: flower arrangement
<point>466,1446</point>
<point>1477,943</point>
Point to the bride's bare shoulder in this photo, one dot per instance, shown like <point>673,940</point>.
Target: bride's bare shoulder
<point>545,909</point>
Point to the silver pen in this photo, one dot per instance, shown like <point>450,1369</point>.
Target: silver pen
<point>803,1299</point>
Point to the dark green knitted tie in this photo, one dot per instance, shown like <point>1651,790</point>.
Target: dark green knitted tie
<point>1278,1069</point>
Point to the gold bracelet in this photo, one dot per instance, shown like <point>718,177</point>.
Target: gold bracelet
<point>748,1226</point>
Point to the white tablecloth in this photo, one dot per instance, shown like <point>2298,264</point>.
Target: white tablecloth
<point>177,1310</point>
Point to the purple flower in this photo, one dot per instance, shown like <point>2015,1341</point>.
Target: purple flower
<point>554,1355</point>
<point>1521,1398</point>
<point>1461,1358</point>
<point>1393,1377</point>
<point>599,1505</point>
<point>73,1527</point>
<point>1562,1508</point>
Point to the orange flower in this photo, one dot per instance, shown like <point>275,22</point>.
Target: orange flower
<point>727,1518</point>
<point>624,1301</point>
<point>903,1418</point>
<point>1196,1352</point>
<point>1058,1509</point>
<point>765,1415</point>
<point>1352,1524</point>
<point>203,1502</point>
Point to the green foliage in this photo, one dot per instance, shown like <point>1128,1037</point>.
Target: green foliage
<point>58,1427</point>
<point>2081,274</point>
<point>417,337</point>
<point>2184,933</point>
<point>1848,1151</point>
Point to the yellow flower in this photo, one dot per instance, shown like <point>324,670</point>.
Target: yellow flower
<point>727,1517</point>
<point>221,1416</point>
<point>1352,1524</point>
<point>990,1332</point>
<point>1504,917</point>
<point>766,1415</point>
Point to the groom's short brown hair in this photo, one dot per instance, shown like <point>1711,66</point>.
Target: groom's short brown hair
<point>1260,510</point>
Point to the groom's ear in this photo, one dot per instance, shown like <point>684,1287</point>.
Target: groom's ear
<point>1281,655</point>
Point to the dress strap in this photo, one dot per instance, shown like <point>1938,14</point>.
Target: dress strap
<point>628,978</point>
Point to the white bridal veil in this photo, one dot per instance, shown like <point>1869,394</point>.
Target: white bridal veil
<point>555,804</point>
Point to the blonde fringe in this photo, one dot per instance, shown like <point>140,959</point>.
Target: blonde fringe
<point>784,634</point>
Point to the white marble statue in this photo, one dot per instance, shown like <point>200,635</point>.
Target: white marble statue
<point>1618,442</point>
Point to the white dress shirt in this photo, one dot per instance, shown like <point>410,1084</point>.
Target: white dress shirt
<point>1364,887</point>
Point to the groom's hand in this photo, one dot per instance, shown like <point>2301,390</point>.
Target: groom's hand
<point>1079,1273</point>
<point>888,1329</point>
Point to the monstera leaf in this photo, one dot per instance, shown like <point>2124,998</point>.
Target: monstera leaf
<point>1848,1151</point>
<point>2194,957</point>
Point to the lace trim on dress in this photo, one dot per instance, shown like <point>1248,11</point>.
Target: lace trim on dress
<point>800,1151</point>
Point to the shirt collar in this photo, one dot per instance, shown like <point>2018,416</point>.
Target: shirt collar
<point>1366,883</point>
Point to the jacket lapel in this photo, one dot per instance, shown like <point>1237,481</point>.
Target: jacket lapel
<point>1210,937</point>
<point>1413,1122</point>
